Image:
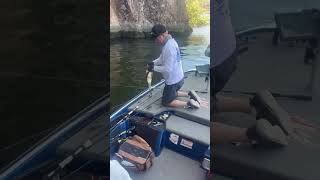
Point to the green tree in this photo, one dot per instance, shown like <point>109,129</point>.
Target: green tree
<point>198,12</point>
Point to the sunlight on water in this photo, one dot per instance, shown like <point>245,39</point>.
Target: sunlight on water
<point>193,53</point>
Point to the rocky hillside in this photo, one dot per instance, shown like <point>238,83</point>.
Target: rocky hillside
<point>134,18</point>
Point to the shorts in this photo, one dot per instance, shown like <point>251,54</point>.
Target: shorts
<point>170,92</point>
<point>220,75</point>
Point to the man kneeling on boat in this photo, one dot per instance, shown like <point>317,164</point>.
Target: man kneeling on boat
<point>170,66</point>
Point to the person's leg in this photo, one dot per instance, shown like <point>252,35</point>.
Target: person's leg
<point>262,133</point>
<point>222,133</point>
<point>220,76</point>
<point>231,104</point>
<point>177,88</point>
<point>170,93</point>
<point>183,93</point>
<point>177,104</point>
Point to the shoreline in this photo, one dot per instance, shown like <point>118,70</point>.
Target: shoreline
<point>125,32</point>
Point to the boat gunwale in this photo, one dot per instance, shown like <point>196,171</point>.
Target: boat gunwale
<point>124,108</point>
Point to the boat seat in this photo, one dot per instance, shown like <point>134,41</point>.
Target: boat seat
<point>188,129</point>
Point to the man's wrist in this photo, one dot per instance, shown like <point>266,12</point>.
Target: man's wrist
<point>150,66</point>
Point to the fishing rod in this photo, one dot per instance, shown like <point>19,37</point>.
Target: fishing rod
<point>82,166</point>
<point>94,140</point>
<point>91,142</point>
<point>141,103</point>
<point>90,161</point>
<point>83,147</point>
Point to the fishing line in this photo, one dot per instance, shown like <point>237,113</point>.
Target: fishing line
<point>90,142</point>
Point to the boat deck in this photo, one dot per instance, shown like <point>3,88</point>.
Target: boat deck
<point>171,165</point>
<point>280,69</point>
<point>189,123</point>
<point>151,104</point>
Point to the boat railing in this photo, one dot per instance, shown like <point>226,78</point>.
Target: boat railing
<point>256,29</point>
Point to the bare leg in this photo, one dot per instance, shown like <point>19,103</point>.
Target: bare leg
<point>183,94</point>
<point>178,104</point>
<point>222,133</point>
<point>230,104</point>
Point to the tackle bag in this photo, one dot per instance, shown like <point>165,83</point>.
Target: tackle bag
<point>135,153</point>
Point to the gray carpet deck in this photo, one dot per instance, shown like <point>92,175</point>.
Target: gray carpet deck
<point>171,165</point>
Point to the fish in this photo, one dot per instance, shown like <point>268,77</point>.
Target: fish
<point>149,78</point>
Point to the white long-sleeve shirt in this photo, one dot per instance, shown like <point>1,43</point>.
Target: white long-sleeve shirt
<point>224,40</point>
<point>117,172</point>
<point>169,63</point>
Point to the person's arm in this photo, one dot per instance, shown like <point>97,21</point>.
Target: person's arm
<point>168,58</point>
<point>117,171</point>
<point>158,60</point>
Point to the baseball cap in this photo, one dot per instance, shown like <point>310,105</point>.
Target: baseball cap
<point>157,30</point>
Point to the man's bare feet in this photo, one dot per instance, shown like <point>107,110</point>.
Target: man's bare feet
<point>204,103</point>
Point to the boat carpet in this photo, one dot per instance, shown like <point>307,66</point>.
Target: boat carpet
<point>171,165</point>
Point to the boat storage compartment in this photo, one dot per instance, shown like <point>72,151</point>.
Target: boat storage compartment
<point>187,137</point>
<point>150,130</point>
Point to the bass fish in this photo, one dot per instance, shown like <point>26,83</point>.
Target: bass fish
<point>149,78</point>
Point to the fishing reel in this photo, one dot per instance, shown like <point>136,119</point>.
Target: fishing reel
<point>120,139</point>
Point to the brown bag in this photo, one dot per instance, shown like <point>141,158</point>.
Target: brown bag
<point>138,152</point>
